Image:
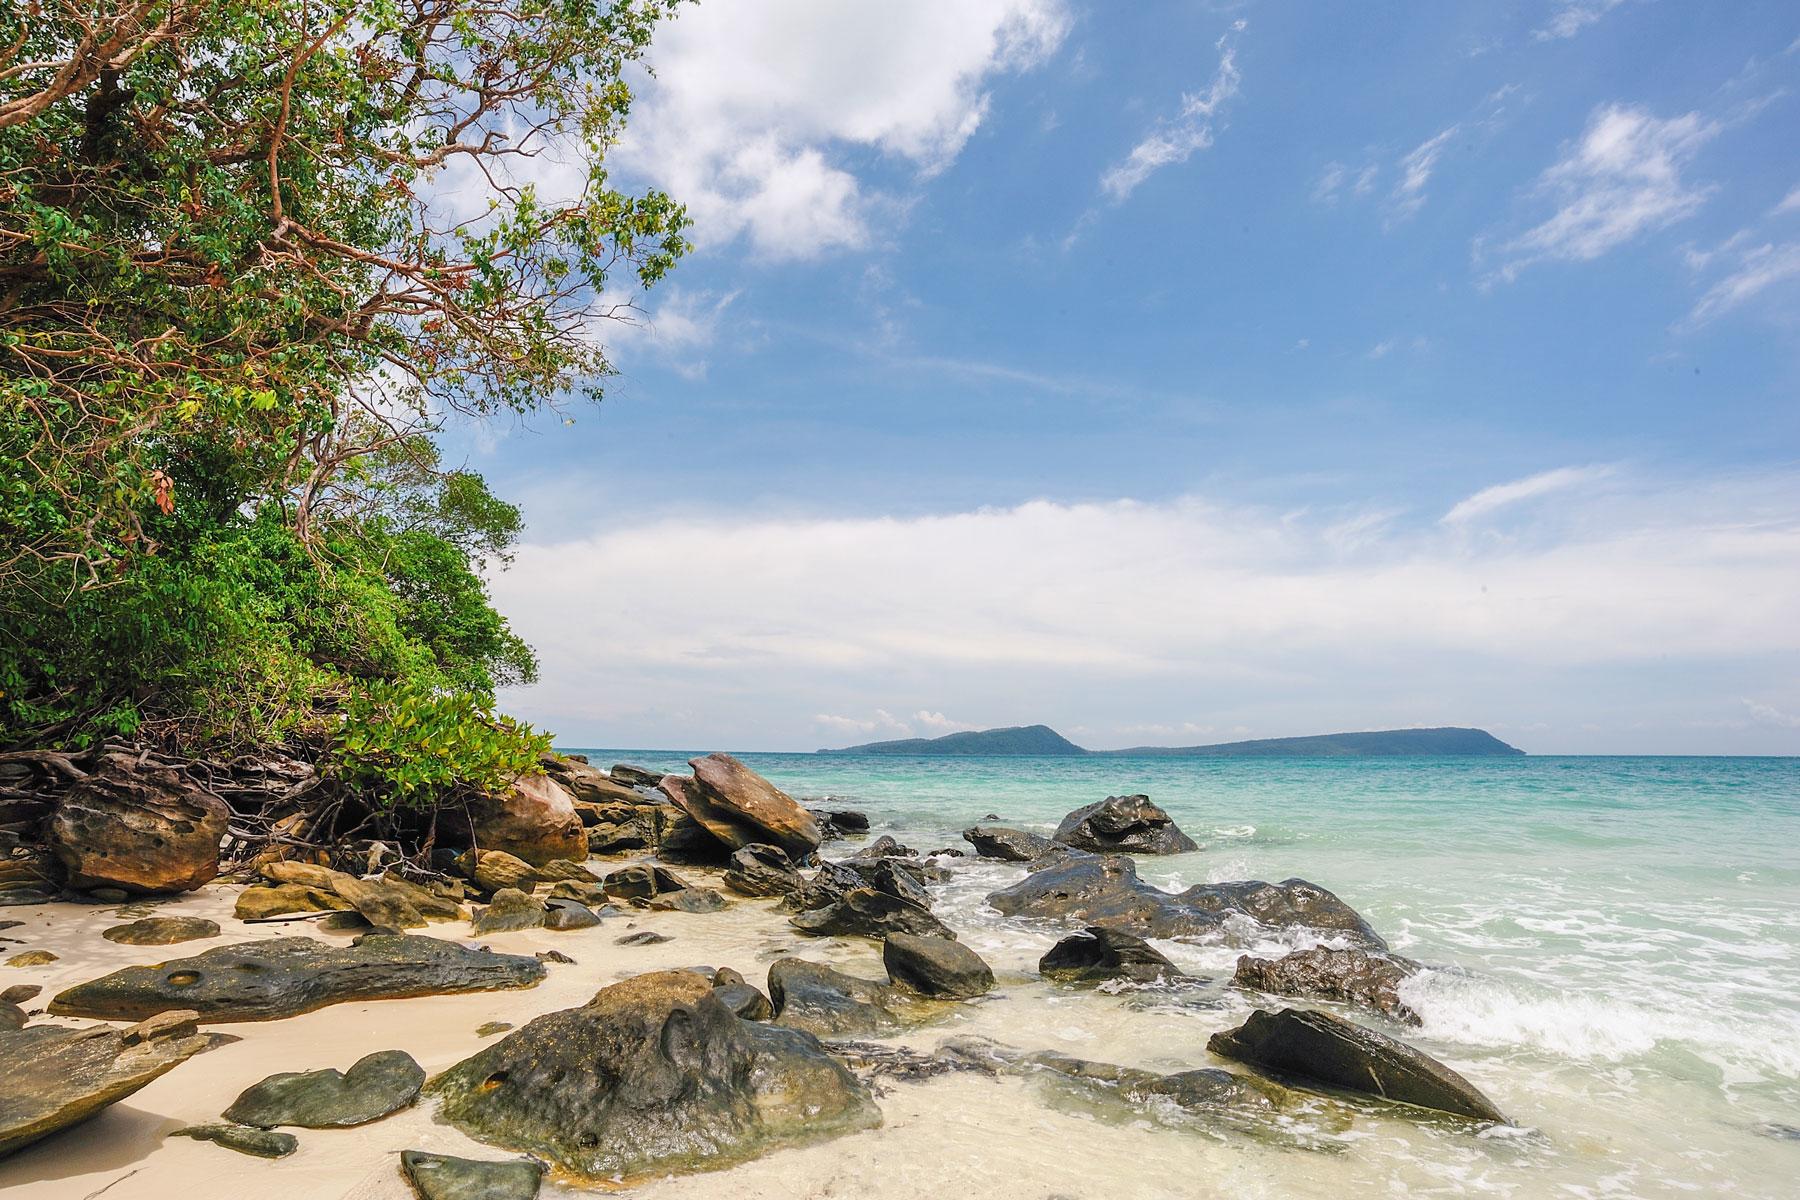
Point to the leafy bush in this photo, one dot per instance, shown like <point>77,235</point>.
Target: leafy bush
<point>410,747</point>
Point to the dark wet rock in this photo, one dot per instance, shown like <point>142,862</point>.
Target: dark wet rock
<point>935,966</point>
<point>533,819</point>
<point>817,999</point>
<point>880,1060</point>
<point>281,977</point>
<point>1098,954</point>
<point>161,931</point>
<point>511,911</point>
<point>1346,976</point>
<point>1320,1048</point>
<point>569,914</point>
<point>19,993</point>
<point>642,825</point>
<point>640,881</point>
<point>374,1086</point>
<point>109,895</point>
<point>263,1143</point>
<point>554,956</point>
<point>652,1074</point>
<point>1123,825</point>
<point>492,870</point>
<point>261,903</point>
<point>57,1077</point>
<point>741,808</point>
<point>490,1028</point>
<point>687,900</point>
<point>1008,845</point>
<point>441,1177</point>
<point>637,777</point>
<point>349,921</point>
<point>865,912</point>
<point>885,846</point>
<point>564,870</point>
<point>762,870</point>
<point>29,875</point>
<point>896,877</point>
<point>827,885</point>
<point>643,937</point>
<point>33,958</point>
<point>138,827</point>
<point>838,824</point>
<point>1105,890</point>
<point>11,1016</point>
<point>1779,1131</point>
<point>740,996</point>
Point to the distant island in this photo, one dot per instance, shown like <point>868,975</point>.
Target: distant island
<point>1043,740</point>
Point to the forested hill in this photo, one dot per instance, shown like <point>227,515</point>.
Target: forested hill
<point>1041,739</point>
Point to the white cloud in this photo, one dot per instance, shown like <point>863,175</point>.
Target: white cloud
<point>937,723</point>
<point>1175,140</point>
<point>1408,196</point>
<point>1572,16</point>
<point>1768,714</point>
<point>1621,179</point>
<point>1487,500</point>
<point>1789,203</point>
<point>758,110</point>
<point>1758,270</point>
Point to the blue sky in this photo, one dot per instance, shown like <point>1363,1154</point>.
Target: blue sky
<point>1183,372</point>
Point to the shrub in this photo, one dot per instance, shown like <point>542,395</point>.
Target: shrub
<point>410,747</point>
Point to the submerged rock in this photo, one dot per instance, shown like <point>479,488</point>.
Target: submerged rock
<point>935,966</point>
<point>1318,1047</point>
<point>57,1077</point>
<point>864,912</point>
<point>741,808</point>
<point>1097,954</point>
<point>1105,890</point>
<point>1008,845</point>
<point>1346,976</point>
<point>511,911</point>
<point>263,1143</point>
<point>373,1087</point>
<point>161,931</point>
<point>643,937</point>
<point>1123,825</point>
<point>137,827</point>
<point>652,1074</point>
<point>762,870</point>
<point>441,1177</point>
<point>817,999</point>
<point>281,977</point>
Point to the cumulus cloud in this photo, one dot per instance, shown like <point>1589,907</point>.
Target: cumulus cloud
<point>1621,179</point>
<point>759,111</point>
<point>1175,139</point>
<point>1491,499</point>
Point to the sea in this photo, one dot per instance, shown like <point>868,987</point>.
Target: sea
<point>1613,948</point>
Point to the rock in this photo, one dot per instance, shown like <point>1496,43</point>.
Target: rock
<point>56,1077</point>
<point>261,903</point>
<point>511,911</point>
<point>865,912</point>
<point>836,824</point>
<point>173,1022</point>
<point>11,1016</point>
<point>1105,890</point>
<point>762,870</point>
<point>1098,954</point>
<point>1321,1048</point>
<point>565,870</point>
<point>1346,976</point>
<point>534,819</point>
<point>640,881</point>
<point>490,1028</point>
<point>588,784</point>
<point>687,900</point>
<point>161,931</point>
<point>934,966</point>
<point>643,937</point>
<point>740,808</point>
<point>829,884</point>
<point>33,958</point>
<point>554,956</point>
<point>441,1177</point>
<point>591,894</point>
<point>894,877</point>
<point>740,996</point>
<point>637,777</point>
<point>19,993</point>
<point>281,977</point>
<point>883,847</point>
<point>29,875</point>
<point>137,827</point>
<point>564,915</point>
<point>495,869</point>
<point>1123,825</point>
<point>263,1143</point>
<point>109,895</point>
<point>348,921</point>
<point>1008,845</point>
<point>374,1086</point>
<point>640,824</point>
<point>652,1074</point>
<point>813,997</point>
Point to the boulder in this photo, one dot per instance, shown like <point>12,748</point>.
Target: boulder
<point>864,912</point>
<point>1105,890</point>
<point>640,881</point>
<point>829,884</point>
<point>374,1086</point>
<point>534,819</point>
<point>33,958</point>
<point>588,784</point>
<point>495,869</point>
<point>1098,954</point>
<point>442,1177</point>
<point>637,777</point>
<point>591,894</point>
<point>740,996</point>
<point>565,915</point>
<point>1008,845</point>
<point>282,977</point>
<point>57,1077</point>
<point>896,877</point>
<point>740,808</point>
<point>687,900</point>
<point>1123,825</point>
<point>565,870</point>
<point>29,875</point>
<point>654,1074</point>
<point>837,824</point>
<point>812,997</point>
<point>161,931</point>
<point>762,870</point>
<point>643,937</point>
<point>140,828</point>
<point>263,1143</point>
<point>1319,1048</point>
<point>1345,976</point>
<point>642,824</point>
<point>885,846</point>
<point>511,911</point>
<point>935,967</point>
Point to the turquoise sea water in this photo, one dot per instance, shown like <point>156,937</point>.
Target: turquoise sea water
<point>1618,933</point>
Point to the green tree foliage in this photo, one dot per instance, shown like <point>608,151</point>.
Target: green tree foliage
<point>253,254</point>
<point>408,745</point>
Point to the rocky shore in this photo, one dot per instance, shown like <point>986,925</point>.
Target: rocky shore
<point>626,977</point>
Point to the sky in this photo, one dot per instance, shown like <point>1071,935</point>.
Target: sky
<point>1183,372</point>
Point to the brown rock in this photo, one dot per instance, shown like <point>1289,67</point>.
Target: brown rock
<point>260,903</point>
<point>534,820</point>
<point>588,784</point>
<point>140,828</point>
<point>495,869</point>
<point>740,808</point>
